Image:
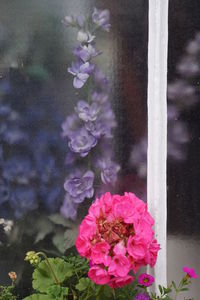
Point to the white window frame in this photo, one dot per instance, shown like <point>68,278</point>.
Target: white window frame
<point>157,129</point>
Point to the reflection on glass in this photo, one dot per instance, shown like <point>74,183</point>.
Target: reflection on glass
<point>47,133</point>
<point>183,138</point>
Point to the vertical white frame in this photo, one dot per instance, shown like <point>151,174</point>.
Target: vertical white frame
<point>157,129</point>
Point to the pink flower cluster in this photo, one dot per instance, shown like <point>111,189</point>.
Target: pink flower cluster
<point>117,237</point>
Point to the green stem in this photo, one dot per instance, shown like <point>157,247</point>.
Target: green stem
<point>49,265</point>
<point>114,295</point>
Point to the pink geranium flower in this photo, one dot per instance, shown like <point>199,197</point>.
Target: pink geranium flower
<point>117,237</point>
<point>145,279</point>
<point>190,272</point>
<point>99,275</point>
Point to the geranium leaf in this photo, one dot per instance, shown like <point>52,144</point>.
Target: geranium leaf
<point>43,277</point>
<point>38,297</point>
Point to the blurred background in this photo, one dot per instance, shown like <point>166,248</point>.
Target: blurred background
<point>184,139</point>
<point>36,95</point>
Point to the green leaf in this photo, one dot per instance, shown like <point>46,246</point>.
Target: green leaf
<point>43,277</point>
<point>70,236</point>
<point>38,297</point>
<point>57,292</point>
<point>44,227</point>
<point>174,285</point>
<point>184,289</point>
<point>107,291</point>
<point>167,290</point>
<point>59,241</point>
<point>160,289</point>
<point>59,220</point>
<point>83,284</point>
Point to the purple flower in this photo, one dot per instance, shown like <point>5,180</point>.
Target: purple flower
<point>87,112</point>
<point>23,199</point>
<point>80,186</point>
<point>182,93</point>
<point>85,36</point>
<point>86,52</point>
<point>101,18</point>
<point>69,208</point>
<point>72,20</point>
<point>81,73</point>
<point>70,126</point>
<point>142,297</point>
<point>99,97</point>
<point>101,79</point>
<point>82,142</point>
<point>18,170</point>
<point>4,191</point>
<point>109,170</point>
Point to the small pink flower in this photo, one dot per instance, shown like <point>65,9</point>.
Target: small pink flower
<point>118,282</point>
<point>190,272</point>
<point>98,275</point>
<point>119,266</point>
<point>145,279</point>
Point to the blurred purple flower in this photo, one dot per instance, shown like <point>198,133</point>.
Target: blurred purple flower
<point>101,18</point>
<point>18,169</point>
<point>72,20</point>
<point>81,73</point>
<point>4,191</point>
<point>22,200</point>
<point>99,97</point>
<point>101,79</point>
<point>109,170</point>
<point>82,142</point>
<point>193,47</point>
<point>142,297</point>
<point>69,208</point>
<point>182,93</point>
<point>85,37</point>
<point>188,66</point>
<point>86,52</point>
<point>70,126</point>
<point>80,186</point>
<point>87,112</point>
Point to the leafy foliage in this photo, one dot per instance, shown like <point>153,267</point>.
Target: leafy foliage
<point>6,293</point>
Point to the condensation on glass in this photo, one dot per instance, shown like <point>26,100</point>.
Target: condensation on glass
<point>36,95</point>
<point>184,139</point>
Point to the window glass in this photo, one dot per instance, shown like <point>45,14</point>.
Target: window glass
<point>183,138</point>
<point>40,148</point>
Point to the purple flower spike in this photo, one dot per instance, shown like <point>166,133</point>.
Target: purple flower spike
<point>74,21</point>
<point>80,186</point>
<point>87,112</point>
<point>69,208</point>
<point>101,80</point>
<point>85,36</point>
<point>81,73</point>
<point>70,126</point>
<point>86,53</point>
<point>82,142</point>
<point>70,20</point>
<point>101,18</point>
<point>109,170</point>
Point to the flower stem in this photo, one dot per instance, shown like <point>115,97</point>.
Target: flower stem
<point>49,265</point>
